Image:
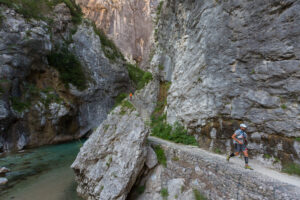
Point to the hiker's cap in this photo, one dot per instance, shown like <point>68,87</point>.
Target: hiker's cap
<point>243,125</point>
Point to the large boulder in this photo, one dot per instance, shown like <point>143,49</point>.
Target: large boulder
<point>111,159</point>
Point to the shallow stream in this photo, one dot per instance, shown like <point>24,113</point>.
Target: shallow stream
<point>41,173</point>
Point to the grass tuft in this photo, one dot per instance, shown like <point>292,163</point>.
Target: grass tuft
<point>292,168</point>
<point>161,157</point>
<point>126,105</point>
<point>160,128</point>
<point>164,193</point>
<point>198,195</point>
<point>297,139</point>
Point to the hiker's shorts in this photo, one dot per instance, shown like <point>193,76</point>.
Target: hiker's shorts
<point>239,147</point>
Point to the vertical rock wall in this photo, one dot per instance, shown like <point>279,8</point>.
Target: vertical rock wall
<point>231,62</point>
<point>127,22</point>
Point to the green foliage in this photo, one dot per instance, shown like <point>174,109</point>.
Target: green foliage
<point>297,139</point>
<point>283,106</point>
<point>292,168</point>
<point>120,98</point>
<point>69,68</point>
<point>140,189</point>
<point>126,105</point>
<point>164,193</point>
<point>267,156</point>
<point>198,195</point>
<point>158,11</point>
<point>138,76</point>
<point>38,9</point>
<point>177,133</point>
<point>160,153</point>
<point>108,46</point>
<point>19,105</point>
<point>217,150</point>
<point>160,67</point>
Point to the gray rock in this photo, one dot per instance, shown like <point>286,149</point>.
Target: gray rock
<point>151,160</point>
<point>3,181</point>
<point>4,170</point>
<point>111,159</point>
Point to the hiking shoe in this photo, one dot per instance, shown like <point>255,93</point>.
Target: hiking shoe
<point>248,167</point>
<point>227,158</point>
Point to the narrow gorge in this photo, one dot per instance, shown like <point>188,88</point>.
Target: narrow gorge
<point>157,89</point>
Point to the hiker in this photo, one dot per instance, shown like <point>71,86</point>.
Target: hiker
<point>130,96</point>
<point>240,144</point>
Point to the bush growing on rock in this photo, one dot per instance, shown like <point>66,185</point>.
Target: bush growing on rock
<point>161,157</point>
<point>138,76</point>
<point>69,68</point>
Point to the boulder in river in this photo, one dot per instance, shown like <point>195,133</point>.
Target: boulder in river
<point>3,181</point>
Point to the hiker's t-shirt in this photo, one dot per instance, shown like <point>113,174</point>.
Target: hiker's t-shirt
<point>240,135</point>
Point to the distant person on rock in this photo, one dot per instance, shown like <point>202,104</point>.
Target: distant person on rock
<point>240,144</point>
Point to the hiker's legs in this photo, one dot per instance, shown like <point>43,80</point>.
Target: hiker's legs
<point>246,156</point>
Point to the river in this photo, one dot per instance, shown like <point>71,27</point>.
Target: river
<point>41,173</point>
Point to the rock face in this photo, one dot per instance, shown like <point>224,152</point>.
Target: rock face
<point>190,169</point>
<point>231,62</point>
<point>112,158</point>
<point>128,23</point>
<point>36,107</point>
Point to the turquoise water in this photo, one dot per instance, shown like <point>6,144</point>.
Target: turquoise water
<point>41,173</point>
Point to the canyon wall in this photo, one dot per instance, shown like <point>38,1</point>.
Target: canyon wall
<point>36,106</point>
<point>231,62</point>
<point>128,23</point>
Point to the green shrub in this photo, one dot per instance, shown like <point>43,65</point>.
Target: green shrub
<point>120,98</point>
<point>69,68</point>
<point>177,133</point>
<point>141,189</point>
<point>161,157</point>
<point>267,156</point>
<point>283,106</point>
<point>198,195</point>
<point>217,150</point>
<point>108,46</point>
<point>138,76</point>
<point>19,105</point>
<point>164,193</point>
<point>297,139</point>
<point>292,168</point>
<point>126,105</point>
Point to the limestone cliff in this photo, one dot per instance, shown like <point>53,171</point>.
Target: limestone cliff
<point>56,84</point>
<point>128,23</point>
<point>232,62</point>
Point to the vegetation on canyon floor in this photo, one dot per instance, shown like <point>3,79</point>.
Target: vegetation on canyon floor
<point>291,168</point>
